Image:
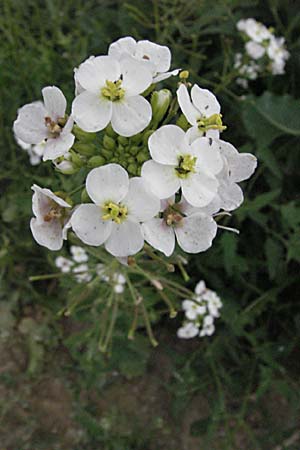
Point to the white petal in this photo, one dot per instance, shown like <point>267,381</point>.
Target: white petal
<point>55,102</point>
<point>208,155</point>
<point>161,179</point>
<point>159,235</point>
<point>193,133</point>
<point>131,115</point>
<point>88,225</point>
<point>142,204</point>
<point>136,77</point>
<point>199,189</point>
<point>54,148</point>
<point>123,46</point>
<point>188,331</point>
<point>196,233</point>
<point>158,55</point>
<point>240,165</point>
<point>40,200</point>
<point>231,196</point>
<point>213,207</point>
<point>205,101</point>
<point>107,183</point>
<point>91,112</point>
<point>188,109</point>
<point>125,239</point>
<point>167,143</point>
<point>165,75</point>
<point>30,124</point>
<point>68,126</point>
<point>93,73</point>
<point>47,234</point>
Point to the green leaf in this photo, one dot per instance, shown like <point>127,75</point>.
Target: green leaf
<point>274,254</point>
<point>294,247</point>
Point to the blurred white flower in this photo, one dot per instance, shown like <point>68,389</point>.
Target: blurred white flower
<point>255,50</point>
<point>188,331</point>
<point>64,264</point>
<point>82,274</point>
<point>79,254</point>
<point>35,152</point>
<point>38,122</point>
<point>111,93</point>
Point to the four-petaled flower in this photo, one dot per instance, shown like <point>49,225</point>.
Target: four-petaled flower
<point>176,164</point>
<point>47,121</point>
<point>111,93</point>
<point>119,206</point>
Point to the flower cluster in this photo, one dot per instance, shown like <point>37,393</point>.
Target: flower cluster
<point>78,265</point>
<point>264,52</point>
<point>154,166</point>
<point>200,313</point>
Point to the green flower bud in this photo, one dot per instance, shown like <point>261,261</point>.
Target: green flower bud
<point>109,142</point>
<point>160,102</point>
<point>134,150</point>
<point>142,157</point>
<point>132,168</point>
<point>84,196</point>
<point>64,196</point>
<point>83,135</point>
<point>85,149</point>
<point>136,139</point>
<point>146,136</point>
<point>110,132</point>
<point>107,154</point>
<point>123,140</point>
<point>95,161</point>
<point>183,123</point>
<point>76,159</point>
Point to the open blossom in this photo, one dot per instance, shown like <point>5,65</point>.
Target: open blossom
<point>64,264</point>
<point>49,226</point>
<point>254,49</point>
<point>38,122</point>
<point>79,255</point>
<point>193,228</point>
<point>155,57</point>
<point>188,331</point>
<point>111,93</point>
<point>202,111</point>
<point>278,54</point>
<point>119,206</point>
<point>176,164</point>
<point>254,30</point>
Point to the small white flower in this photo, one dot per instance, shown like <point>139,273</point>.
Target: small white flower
<point>188,331</point>
<point>193,309</point>
<point>278,54</point>
<point>207,321</point>
<point>119,206</point>
<point>64,264</point>
<point>79,254</point>
<point>254,30</point>
<point>193,228</point>
<point>176,164</point>
<point>157,58</point>
<point>100,271</point>
<point>207,331</point>
<point>202,111</point>
<point>119,288</point>
<point>110,93</point>
<point>82,274</point>
<point>200,287</point>
<point>119,278</point>
<point>49,226</point>
<point>254,50</point>
<point>39,121</point>
<point>213,303</point>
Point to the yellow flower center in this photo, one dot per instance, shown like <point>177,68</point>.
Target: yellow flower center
<point>115,212</point>
<point>113,91</point>
<point>186,165</point>
<point>213,122</point>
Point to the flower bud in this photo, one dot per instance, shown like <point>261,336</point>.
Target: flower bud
<point>84,196</point>
<point>83,135</point>
<point>134,150</point>
<point>65,166</point>
<point>76,159</point>
<point>85,149</point>
<point>160,102</point>
<point>95,161</point>
<point>110,132</point>
<point>123,140</point>
<point>146,136</point>
<point>109,142</point>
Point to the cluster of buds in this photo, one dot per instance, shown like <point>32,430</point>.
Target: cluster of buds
<point>264,52</point>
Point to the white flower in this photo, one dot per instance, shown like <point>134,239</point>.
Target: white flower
<point>213,302</point>
<point>278,54</point>
<point>79,254</point>
<point>39,121</point>
<point>207,330</point>
<point>254,30</point>
<point>119,288</point>
<point>49,226</point>
<point>237,167</point>
<point>202,111</point>
<point>200,287</point>
<point>111,94</point>
<point>82,274</point>
<point>243,82</point>
<point>175,164</point>
<point>119,206</point>
<point>193,309</point>
<point>188,331</point>
<point>157,58</point>
<point>254,50</point>
<point>64,264</point>
<point>119,278</point>
<point>193,228</point>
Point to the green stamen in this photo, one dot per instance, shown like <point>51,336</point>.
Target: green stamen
<point>213,122</point>
<point>186,165</point>
<point>115,212</point>
<point>113,91</point>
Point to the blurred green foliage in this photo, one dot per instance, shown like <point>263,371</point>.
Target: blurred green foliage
<point>210,394</point>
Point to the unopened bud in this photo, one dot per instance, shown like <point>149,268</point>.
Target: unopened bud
<point>77,159</point>
<point>146,136</point>
<point>160,102</point>
<point>109,142</point>
<point>95,161</point>
<point>123,140</point>
<point>84,196</point>
<point>184,74</point>
<point>85,149</point>
<point>65,166</point>
<point>83,136</point>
